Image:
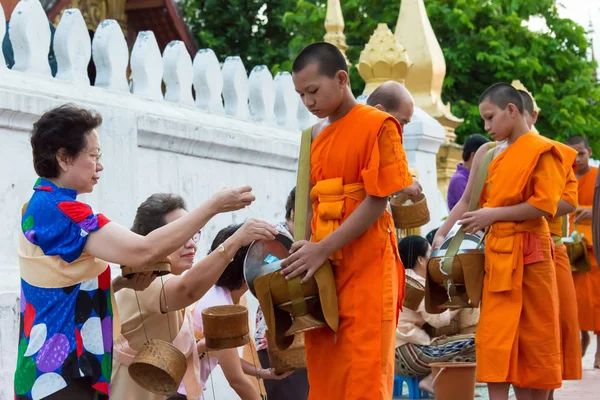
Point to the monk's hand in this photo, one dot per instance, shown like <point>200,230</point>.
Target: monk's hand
<point>475,221</point>
<point>412,191</point>
<point>306,257</point>
<point>581,214</point>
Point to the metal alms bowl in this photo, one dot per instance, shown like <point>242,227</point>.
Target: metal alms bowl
<point>255,265</point>
<point>468,248</point>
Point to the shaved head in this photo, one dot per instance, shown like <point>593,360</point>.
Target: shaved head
<point>578,139</point>
<point>501,95</point>
<point>393,98</point>
<point>527,102</point>
<point>329,58</point>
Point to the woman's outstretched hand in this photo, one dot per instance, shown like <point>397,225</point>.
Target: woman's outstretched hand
<point>254,229</point>
<point>228,199</point>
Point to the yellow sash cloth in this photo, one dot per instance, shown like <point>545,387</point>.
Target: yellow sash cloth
<point>331,196</point>
<point>45,271</point>
<point>505,247</point>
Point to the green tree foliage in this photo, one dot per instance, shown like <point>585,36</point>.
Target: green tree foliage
<point>483,42</point>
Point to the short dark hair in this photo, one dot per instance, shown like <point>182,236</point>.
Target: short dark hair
<point>577,139</point>
<point>232,277</point>
<point>151,213</point>
<point>330,59</point>
<point>472,144</point>
<point>527,102</point>
<point>502,94</point>
<point>411,248</point>
<point>65,127</point>
<point>386,98</point>
<point>290,204</point>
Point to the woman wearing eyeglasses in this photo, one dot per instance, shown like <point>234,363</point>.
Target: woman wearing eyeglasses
<point>159,311</point>
<point>67,312</point>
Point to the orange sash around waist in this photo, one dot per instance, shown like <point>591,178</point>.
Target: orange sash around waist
<point>331,196</point>
<point>509,245</point>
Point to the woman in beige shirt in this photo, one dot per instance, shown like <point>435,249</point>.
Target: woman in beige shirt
<point>415,346</point>
<point>160,313</point>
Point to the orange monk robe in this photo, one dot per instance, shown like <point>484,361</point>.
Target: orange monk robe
<point>364,148</point>
<point>569,324</point>
<point>587,285</point>
<point>518,337</point>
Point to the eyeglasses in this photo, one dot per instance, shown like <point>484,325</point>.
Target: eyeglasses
<point>96,156</point>
<point>196,237</point>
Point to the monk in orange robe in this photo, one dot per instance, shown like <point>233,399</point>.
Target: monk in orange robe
<point>567,299</point>
<point>518,337</point>
<point>587,285</point>
<point>357,161</point>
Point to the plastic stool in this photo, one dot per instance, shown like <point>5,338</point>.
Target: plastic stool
<point>413,387</point>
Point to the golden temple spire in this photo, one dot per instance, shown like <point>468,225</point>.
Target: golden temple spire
<point>383,59</point>
<point>426,76</point>
<point>334,26</point>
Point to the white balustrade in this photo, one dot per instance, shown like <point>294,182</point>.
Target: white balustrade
<point>29,31</point>
<point>111,56</point>
<point>208,81</point>
<point>72,48</point>
<point>178,73</point>
<point>286,101</point>
<point>235,88</point>
<point>262,95</point>
<point>147,66</point>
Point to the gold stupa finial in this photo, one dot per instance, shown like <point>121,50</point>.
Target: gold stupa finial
<point>382,59</point>
<point>426,76</point>
<point>334,26</point>
<point>96,11</point>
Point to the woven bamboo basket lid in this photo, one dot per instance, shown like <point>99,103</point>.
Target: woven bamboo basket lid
<point>409,215</point>
<point>291,359</point>
<point>225,327</point>
<point>158,367</point>
<point>414,294</point>
<point>161,268</point>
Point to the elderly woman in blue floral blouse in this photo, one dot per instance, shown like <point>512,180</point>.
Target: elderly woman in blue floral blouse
<point>68,318</point>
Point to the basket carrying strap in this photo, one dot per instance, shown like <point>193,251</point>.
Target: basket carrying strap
<point>457,240</point>
<point>300,215</point>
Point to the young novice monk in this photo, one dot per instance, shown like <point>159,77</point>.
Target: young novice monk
<point>570,341</point>
<point>587,285</point>
<point>357,161</point>
<point>518,338</point>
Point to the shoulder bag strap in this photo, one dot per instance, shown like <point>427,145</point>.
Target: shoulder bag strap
<point>300,215</point>
<point>456,241</point>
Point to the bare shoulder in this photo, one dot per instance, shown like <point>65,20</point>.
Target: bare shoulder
<point>483,149</point>
<point>319,127</point>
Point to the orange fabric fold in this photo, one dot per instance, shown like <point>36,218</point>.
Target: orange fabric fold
<point>587,285</point>
<point>357,155</point>
<point>518,338</point>
<point>506,251</point>
<point>331,196</point>
<point>567,300</point>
